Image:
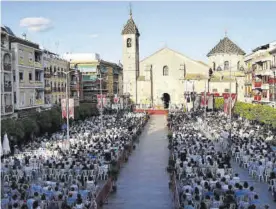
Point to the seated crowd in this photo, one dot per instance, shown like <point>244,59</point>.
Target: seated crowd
<point>203,165</point>
<point>51,172</point>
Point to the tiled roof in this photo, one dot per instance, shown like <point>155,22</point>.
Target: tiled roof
<point>130,27</point>
<point>226,46</point>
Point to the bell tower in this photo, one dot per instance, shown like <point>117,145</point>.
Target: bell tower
<point>130,34</point>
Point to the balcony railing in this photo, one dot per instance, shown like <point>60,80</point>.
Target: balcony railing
<point>47,75</point>
<point>8,108</point>
<point>37,65</point>
<point>248,95</point>
<point>257,97</point>
<point>39,101</point>
<point>8,88</point>
<point>272,81</point>
<point>258,84</point>
<point>7,67</point>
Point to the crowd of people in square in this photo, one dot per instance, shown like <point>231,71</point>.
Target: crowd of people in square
<point>204,153</point>
<point>51,172</point>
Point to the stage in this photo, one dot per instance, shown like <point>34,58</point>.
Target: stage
<point>153,111</point>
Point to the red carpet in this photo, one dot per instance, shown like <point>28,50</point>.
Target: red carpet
<point>153,112</point>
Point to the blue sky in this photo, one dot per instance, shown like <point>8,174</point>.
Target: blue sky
<point>191,28</point>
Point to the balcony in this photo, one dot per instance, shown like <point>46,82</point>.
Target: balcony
<point>257,97</point>
<point>6,109</point>
<point>248,95</point>
<point>38,65</point>
<point>272,81</point>
<point>8,88</point>
<point>7,66</point>
<point>39,102</point>
<point>265,86</point>
<point>258,84</point>
<point>265,99</point>
<point>47,75</point>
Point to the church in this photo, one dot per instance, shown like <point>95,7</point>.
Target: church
<point>167,77</point>
<point>161,78</point>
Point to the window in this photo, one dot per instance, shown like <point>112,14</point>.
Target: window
<point>37,76</point>
<point>14,78</point>
<point>129,42</point>
<point>22,98</point>
<point>30,76</point>
<point>7,59</point>
<point>226,65</point>
<point>214,66</point>
<point>165,70</point>
<point>215,90</point>
<point>226,90</point>
<point>31,57</point>
<point>21,54</point>
<point>219,69</point>
<point>21,76</point>
<point>238,65</point>
<point>14,97</point>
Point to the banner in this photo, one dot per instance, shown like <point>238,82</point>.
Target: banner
<point>227,101</point>
<point>71,108</point>
<point>116,99</point>
<point>101,100</point>
<point>204,101</point>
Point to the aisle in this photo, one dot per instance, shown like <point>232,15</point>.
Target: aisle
<point>143,181</point>
<point>260,187</point>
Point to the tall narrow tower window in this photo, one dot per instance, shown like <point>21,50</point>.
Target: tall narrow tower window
<point>129,43</point>
<point>165,70</point>
<point>226,65</point>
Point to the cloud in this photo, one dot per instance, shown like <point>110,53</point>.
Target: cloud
<point>93,35</point>
<point>36,24</point>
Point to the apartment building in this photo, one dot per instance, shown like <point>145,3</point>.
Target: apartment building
<point>259,76</point>
<point>7,107</point>
<point>272,87</point>
<point>76,86</point>
<point>91,68</point>
<point>55,77</point>
<point>28,76</point>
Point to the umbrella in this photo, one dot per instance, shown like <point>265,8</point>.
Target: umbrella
<point>6,145</point>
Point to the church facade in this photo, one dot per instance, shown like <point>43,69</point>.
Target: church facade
<point>161,78</point>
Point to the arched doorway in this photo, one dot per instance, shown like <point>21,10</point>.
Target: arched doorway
<point>166,98</point>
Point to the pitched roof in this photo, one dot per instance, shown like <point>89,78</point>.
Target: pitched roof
<point>226,46</point>
<point>130,27</point>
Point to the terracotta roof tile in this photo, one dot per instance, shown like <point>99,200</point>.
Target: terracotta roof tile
<point>130,28</point>
<point>226,46</point>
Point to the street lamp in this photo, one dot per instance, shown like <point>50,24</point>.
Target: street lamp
<point>99,75</point>
<point>67,100</point>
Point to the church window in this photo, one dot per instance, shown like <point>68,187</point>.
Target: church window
<point>226,65</point>
<point>128,42</point>
<point>238,65</point>
<point>214,66</point>
<point>165,70</point>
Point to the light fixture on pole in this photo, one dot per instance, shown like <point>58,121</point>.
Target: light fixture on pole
<point>101,92</point>
<point>67,102</point>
